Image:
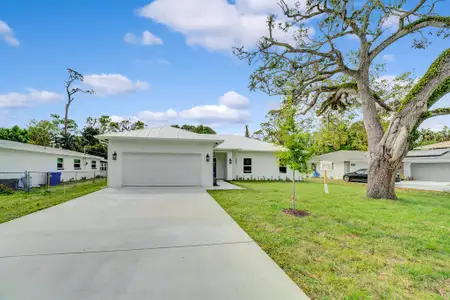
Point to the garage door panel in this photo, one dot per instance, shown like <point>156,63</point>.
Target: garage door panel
<point>161,169</point>
<point>431,172</point>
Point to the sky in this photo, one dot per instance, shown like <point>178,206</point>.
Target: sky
<point>161,61</point>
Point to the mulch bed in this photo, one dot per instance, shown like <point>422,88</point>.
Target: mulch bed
<point>296,212</point>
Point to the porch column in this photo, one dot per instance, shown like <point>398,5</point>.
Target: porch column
<point>229,166</point>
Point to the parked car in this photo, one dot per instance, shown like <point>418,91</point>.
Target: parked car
<point>361,176</point>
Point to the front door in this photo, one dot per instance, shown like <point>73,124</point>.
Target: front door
<point>214,168</point>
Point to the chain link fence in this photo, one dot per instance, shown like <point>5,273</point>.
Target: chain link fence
<point>63,181</point>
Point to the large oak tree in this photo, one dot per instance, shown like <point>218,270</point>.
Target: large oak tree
<point>318,67</point>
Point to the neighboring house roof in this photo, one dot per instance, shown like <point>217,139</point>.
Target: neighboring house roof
<point>443,145</point>
<point>427,153</point>
<point>237,142</point>
<point>35,148</point>
<point>161,133</point>
<point>342,155</point>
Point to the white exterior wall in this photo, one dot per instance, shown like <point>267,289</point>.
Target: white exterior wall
<point>115,168</point>
<point>38,164</point>
<point>409,162</point>
<point>264,165</point>
<point>358,165</point>
<point>336,172</point>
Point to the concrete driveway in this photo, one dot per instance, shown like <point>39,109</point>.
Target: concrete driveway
<point>161,243</point>
<point>425,185</point>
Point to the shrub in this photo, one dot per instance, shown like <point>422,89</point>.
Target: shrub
<point>4,190</point>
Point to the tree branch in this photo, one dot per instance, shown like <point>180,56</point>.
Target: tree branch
<point>437,112</point>
<point>431,21</point>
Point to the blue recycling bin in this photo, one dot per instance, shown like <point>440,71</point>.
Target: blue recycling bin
<point>55,178</point>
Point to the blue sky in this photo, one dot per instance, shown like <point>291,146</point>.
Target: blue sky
<point>166,61</point>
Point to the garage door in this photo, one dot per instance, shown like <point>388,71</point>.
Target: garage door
<point>431,172</point>
<point>161,169</point>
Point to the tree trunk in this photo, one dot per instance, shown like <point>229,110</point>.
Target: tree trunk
<point>381,183</point>
<point>293,189</point>
<point>66,117</point>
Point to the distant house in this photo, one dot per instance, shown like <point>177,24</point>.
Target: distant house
<point>16,158</point>
<point>443,145</point>
<point>343,161</point>
<point>429,163</point>
<point>167,156</point>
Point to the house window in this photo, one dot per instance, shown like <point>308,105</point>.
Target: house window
<point>60,164</point>
<point>281,167</point>
<point>94,165</point>
<point>103,166</point>
<point>247,165</point>
<point>77,164</point>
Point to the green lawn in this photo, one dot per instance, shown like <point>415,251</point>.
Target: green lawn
<point>350,247</point>
<point>21,203</point>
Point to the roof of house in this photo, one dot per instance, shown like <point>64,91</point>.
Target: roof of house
<point>223,142</point>
<point>342,155</point>
<point>237,142</point>
<point>443,145</point>
<point>426,153</point>
<point>35,148</point>
<point>161,133</point>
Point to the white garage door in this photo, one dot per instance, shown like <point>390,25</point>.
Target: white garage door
<point>161,169</point>
<point>431,172</point>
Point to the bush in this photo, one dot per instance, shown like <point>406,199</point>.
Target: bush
<point>4,190</point>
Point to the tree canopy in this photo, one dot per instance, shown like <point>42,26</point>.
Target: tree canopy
<point>201,129</point>
<point>320,70</point>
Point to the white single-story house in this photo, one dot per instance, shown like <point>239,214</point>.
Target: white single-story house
<point>167,156</point>
<point>17,158</point>
<point>428,165</point>
<point>343,161</point>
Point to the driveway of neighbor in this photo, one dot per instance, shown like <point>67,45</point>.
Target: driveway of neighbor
<point>136,243</point>
<point>425,185</point>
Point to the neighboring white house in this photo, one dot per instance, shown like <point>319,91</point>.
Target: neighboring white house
<point>428,165</point>
<point>343,161</point>
<point>167,156</point>
<point>16,158</point>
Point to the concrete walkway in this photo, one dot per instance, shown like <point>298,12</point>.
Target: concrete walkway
<point>425,185</point>
<point>162,244</point>
<point>223,185</point>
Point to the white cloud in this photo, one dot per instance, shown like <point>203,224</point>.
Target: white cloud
<point>232,109</point>
<point>216,24</point>
<point>388,57</point>
<point>147,39</point>
<point>436,123</point>
<point>7,34</point>
<point>234,100</point>
<point>33,96</point>
<point>216,114</point>
<point>150,116</point>
<point>120,119</point>
<point>113,84</point>
<point>391,22</point>
<point>160,61</point>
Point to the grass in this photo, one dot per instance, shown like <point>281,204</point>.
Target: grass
<point>350,247</point>
<point>22,203</point>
